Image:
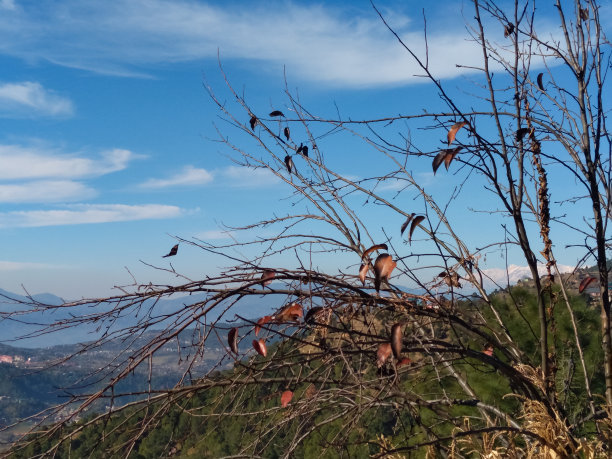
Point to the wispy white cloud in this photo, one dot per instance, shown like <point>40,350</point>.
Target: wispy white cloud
<point>22,162</point>
<point>89,213</point>
<point>7,5</point>
<point>189,176</point>
<point>30,99</point>
<point>347,47</point>
<point>24,266</point>
<point>246,177</point>
<point>45,191</point>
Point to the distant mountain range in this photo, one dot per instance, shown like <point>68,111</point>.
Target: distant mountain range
<point>19,317</point>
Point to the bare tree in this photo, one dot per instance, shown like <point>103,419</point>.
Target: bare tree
<point>347,341</point>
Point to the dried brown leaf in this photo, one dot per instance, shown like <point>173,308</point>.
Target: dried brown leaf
<point>585,283</point>
<point>383,266</point>
<point>405,224</point>
<point>418,219</point>
<point>260,346</point>
<point>396,340</point>
<point>540,83</point>
<point>232,340</point>
<point>453,131</point>
<point>382,354</point>
<point>373,248</point>
<point>286,398</point>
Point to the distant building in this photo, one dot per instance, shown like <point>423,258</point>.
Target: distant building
<point>6,359</point>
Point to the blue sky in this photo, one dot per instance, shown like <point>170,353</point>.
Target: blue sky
<point>106,129</point>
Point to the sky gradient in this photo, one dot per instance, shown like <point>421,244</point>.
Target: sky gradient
<point>107,135</point>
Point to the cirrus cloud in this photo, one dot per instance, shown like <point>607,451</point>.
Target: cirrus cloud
<point>24,162</point>
<point>341,46</point>
<point>188,176</point>
<point>89,213</point>
<point>30,99</point>
<point>45,191</point>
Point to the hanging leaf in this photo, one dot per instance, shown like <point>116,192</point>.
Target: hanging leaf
<point>264,320</point>
<point>373,248</point>
<point>363,272</point>
<point>290,313</point>
<point>418,219</point>
<point>508,30</point>
<point>173,251</point>
<point>540,83</point>
<point>585,283</point>
<point>396,340</point>
<point>289,163</point>
<point>253,122</point>
<point>438,160</point>
<point>383,266</point>
<point>305,151</point>
<point>488,350</point>
<point>286,398</point>
<point>260,346</point>
<point>276,113</point>
<point>451,279</point>
<point>522,132</point>
<point>382,354</point>
<point>453,131</point>
<point>405,224</point>
<point>232,340</point>
<point>450,156</point>
<point>267,277</point>
<point>286,132</point>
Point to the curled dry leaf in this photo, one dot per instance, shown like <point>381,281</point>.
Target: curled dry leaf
<point>290,313</point>
<point>305,151</point>
<point>453,131</point>
<point>445,156</point>
<point>403,362</point>
<point>383,266</point>
<point>260,346</point>
<point>264,320</point>
<point>405,224</point>
<point>277,113</point>
<point>584,13</point>
<point>286,398</point>
<point>450,156</point>
<point>253,122</point>
<point>289,163</point>
<point>396,340</point>
<point>450,278</point>
<point>232,340</point>
<point>540,83</point>
<point>173,251</point>
<point>522,132</point>
<point>286,132</point>
<point>382,354</point>
<point>508,30</point>
<point>438,160</point>
<point>373,248</point>
<point>418,219</point>
<point>585,283</point>
<point>267,277</point>
<point>363,272</point>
